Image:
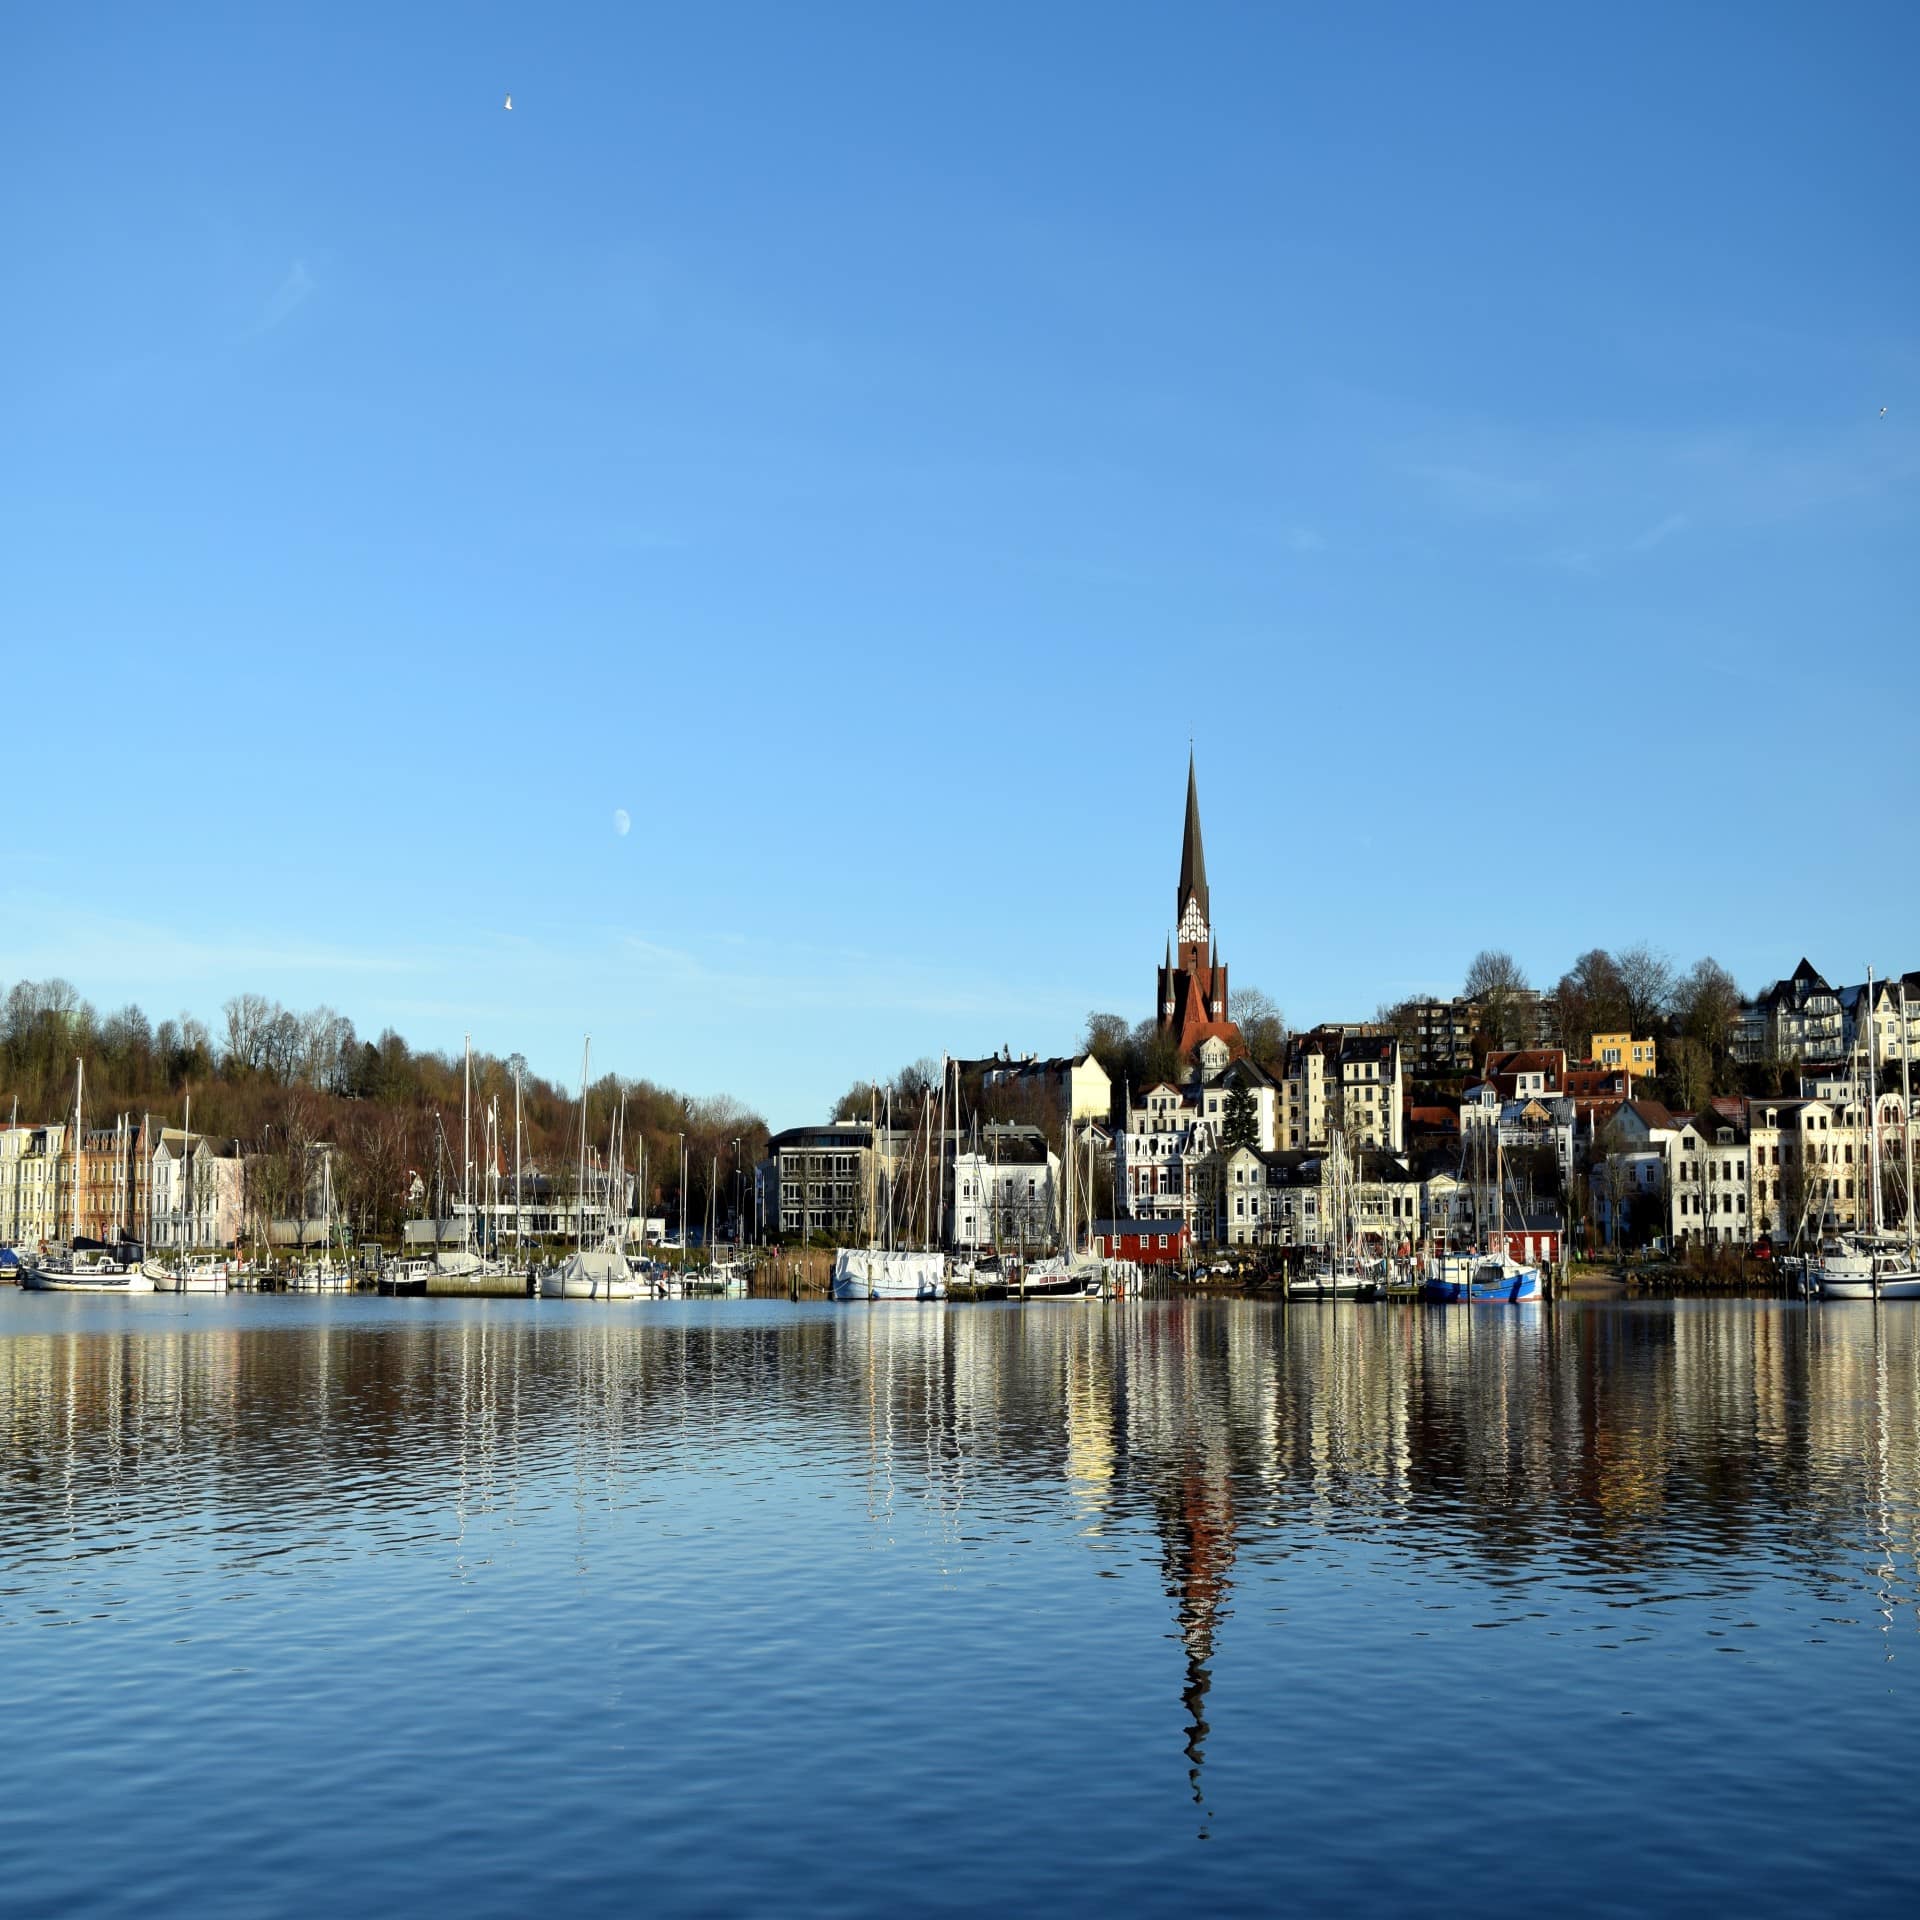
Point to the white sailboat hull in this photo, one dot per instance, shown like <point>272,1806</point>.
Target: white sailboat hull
<point>1862,1286</point>
<point>1328,1281</point>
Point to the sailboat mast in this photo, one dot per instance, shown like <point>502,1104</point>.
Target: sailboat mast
<point>1906,1110</point>
<point>79,1119</point>
<point>1873,1104</point>
<point>466,1145</point>
<point>580,1192</point>
<point>516,1163</point>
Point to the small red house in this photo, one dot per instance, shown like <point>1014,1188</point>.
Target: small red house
<point>1152,1243</point>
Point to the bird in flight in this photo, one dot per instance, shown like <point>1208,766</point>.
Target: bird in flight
<point>510,109</point>
<point>1883,413</point>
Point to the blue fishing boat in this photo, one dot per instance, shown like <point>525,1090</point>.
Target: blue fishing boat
<point>1482,1279</point>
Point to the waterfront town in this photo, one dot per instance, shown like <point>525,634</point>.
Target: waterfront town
<point>1630,1108</point>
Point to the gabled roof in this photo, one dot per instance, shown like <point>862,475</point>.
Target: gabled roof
<point>1246,1070</point>
<point>1526,1060</point>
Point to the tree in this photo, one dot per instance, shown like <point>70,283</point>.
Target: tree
<point>1646,981</point>
<point>1706,1002</point>
<point>1689,1072</point>
<point>1496,982</point>
<point>1239,1120</point>
<point>1261,1024</point>
<point>1107,1039</point>
<point>1158,1055</point>
<point>1591,998</point>
<point>1493,971</point>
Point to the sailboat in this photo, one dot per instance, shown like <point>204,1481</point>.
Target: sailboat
<point>1492,1277</point>
<point>187,1272</point>
<point>1875,1266</point>
<point>78,1270</point>
<point>602,1272</point>
<point>887,1272</point>
<point>1339,1269</point>
<point>1069,1275</point>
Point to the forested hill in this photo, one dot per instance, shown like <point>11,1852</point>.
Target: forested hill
<point>277,1081</point>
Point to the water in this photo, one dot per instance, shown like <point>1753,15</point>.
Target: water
<point>339,1605</point>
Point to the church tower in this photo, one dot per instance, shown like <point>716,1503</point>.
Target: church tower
<point>1192,994</point>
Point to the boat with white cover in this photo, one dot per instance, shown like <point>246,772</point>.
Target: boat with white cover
<point>877,1273</point>
<point>594,1273</point>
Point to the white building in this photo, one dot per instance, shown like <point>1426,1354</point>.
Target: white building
<point>197,1193</point>
<point>1707,1182</point>
<point>1005,1199</point>
<point>1171,1132</point>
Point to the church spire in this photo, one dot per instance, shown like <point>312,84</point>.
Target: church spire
<point>1193,865</point>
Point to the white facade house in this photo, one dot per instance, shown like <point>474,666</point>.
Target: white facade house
<point>1707,1183</point>
<point>1003,1205</point>
<point>197,1194</point>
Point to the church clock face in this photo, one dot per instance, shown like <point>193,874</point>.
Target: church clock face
<point>1193,928</point>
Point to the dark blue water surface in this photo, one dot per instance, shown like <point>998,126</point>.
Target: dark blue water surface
<point>361,1605</point>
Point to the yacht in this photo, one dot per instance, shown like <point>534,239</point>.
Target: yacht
<point>85,1273</point>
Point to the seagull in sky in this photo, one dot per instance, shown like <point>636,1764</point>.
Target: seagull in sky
<point>1883,413</point>
<point>510,109</point>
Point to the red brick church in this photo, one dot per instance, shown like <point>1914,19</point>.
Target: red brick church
<point>1193,981</point>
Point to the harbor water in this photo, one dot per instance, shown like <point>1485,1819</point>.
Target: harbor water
<point>349,1605</point>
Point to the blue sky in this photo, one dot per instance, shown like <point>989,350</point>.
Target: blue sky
<point>864,443</point>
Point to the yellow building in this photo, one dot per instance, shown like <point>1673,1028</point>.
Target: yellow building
<point>1622,1050</point>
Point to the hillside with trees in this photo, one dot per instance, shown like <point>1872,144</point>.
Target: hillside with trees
<point>282,1083</point>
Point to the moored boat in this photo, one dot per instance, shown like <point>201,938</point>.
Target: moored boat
<point>1492,1279</point>
<point>875,1273</point>
<point>594,1273</point>
<point>197,1274</point>
<point>85,1273</point>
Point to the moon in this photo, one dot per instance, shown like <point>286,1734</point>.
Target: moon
<point>622,822</point>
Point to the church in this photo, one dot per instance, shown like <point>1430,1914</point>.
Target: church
<point>1192,996</point>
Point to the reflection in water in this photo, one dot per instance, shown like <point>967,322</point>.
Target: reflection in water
<point>1604,1466</point>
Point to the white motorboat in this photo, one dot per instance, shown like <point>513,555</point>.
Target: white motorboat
<point>193,1275</point>
<point>726,1280</point>
<point>874,1273</point>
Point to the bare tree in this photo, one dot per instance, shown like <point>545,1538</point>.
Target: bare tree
<point>1262,1025</point>
<point>1493,971</point>
<point>1646,980</point>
